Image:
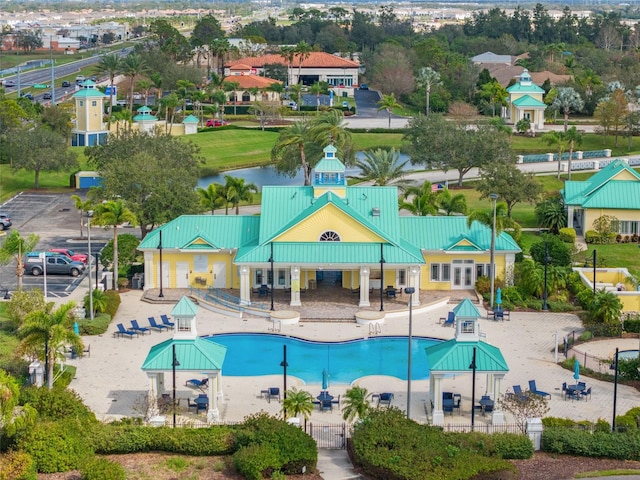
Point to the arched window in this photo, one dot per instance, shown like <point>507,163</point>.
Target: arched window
<point>330,236</point>
<point>246,97</point>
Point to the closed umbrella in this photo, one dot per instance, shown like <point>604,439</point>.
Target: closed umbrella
<point>576,371</point>
<point>76,329</point>
<point>499,297</point>
<point>325,380</point>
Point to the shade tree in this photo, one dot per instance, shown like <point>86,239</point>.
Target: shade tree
<point>514,185</point>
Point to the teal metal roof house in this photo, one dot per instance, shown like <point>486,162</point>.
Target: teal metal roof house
<point>526,102</point>
<point>326,235</point>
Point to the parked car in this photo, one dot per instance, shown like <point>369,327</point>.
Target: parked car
<point>364,86</point>
<point>293,105</point>
<point>216,122</point>
<point>46,96</point>
<point>66,84</point>
<point>55,264</point>
<point>77,257</point>
<point>80,79</point>
<point>5,221</point>
<point>27,95</point>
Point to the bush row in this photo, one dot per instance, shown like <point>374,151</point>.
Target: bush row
<point>97,326</point>
<point>17,465</point>
<point>570,441</point>
<point>591,236</point>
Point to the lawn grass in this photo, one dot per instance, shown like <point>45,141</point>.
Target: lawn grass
<point>616,255</point>
<point>523,145</point>
<point>528,238</point>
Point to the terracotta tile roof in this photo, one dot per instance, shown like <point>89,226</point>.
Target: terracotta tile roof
<point>251,81</point>
<point>241,66</point>
<point>315,60</point>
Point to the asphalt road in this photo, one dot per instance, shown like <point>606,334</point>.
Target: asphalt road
<point>56,221</point>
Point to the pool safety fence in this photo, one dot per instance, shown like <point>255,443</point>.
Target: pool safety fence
<point>483,427</point>
<point>596,364</point>
<point>328,435</point>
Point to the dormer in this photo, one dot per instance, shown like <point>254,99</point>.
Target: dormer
<point>467,326</point>
<point>329,174</point>
<point>184,317</point>
<point>525,78</point>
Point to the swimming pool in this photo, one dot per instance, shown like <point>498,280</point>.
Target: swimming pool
<point>252,354</point>
<point>628,354</point>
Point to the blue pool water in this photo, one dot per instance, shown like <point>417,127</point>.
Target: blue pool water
<point>252,354</point>
<point>628,354</point>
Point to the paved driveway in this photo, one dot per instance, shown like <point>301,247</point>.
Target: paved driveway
<point>54,218</point>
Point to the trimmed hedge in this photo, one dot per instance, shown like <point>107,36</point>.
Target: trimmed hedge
<point>17,465</point>
<point>257,461</point>
<point>56,404</point>
<point>97,326</point>
<point>567,235</point>
<point>117,439</point>
<point>113,302</point>
<point>102,469</point>
<point>622,446</point>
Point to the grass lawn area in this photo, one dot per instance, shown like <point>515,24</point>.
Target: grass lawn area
<point>522,212</point>
<point>526,145</point>
<point>527,239</point>
<point>617,255</point>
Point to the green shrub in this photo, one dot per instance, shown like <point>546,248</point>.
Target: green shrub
<point>56,446</point>
<point>56,404</point>
<point>548,422</point>
<point>534,304</point>
<point>591,236</point>
<point>558,306</point>
<point>567,235</point>
<point>512,446</point>
<point>256,461</point>
<point>559,252</point>
<point>113,302</point>
<point>97,326</point>
<point>102,469</point>
<point>581,442</point>
<point>631,323</point>
<point>17,465</point>
<point>483,285</point>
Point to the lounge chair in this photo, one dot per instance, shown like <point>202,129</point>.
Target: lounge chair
<point>450,321</point>
<point>586,393</point>
<point>157,326</point>
<point>274,392</point>
<point>137,328</point>
<point>124,332</point>
<point>165,321</point>
<point>533,389</point>
<point>385,399</point>
<point>517,391</point>
<point>194,382</point>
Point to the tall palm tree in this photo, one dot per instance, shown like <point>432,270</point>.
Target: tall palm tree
<point>232,87</point>
<point>451,203</point>
<point>288,54</point>
<point>212,197</point>
<point>428,78</point>
<point>388,103</point>
<point>560,142</point>
<point>423,200</point>
<point>383,167</point>
<point>14,246</point>
<point>297,402</point>
<point>303,51</point>
<point>238,191</point>
<point>170,103</point>
<point>330,128</point>
<point>567,100</point>
<point>46,332</point>
<point>82,206</point>
<point>219,47</point>
<point>110,65</point>
<point>503,222</point>
<point>145,85</point>
<point>297,134</point>
<point>575,139</point>
<point>156,80</point>
<point>356,404</point>
<point>317,89</point>
<point>112,214</point>
<point>184,89</point>
<point>133,65</point>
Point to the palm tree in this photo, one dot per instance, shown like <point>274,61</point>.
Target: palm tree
<point>145,85</point>
<point>46,332</point>
<point>16,247</point>
<point>82,206</point>
<point>559,141</point>
<point>232,87</point>
<point>318,88</point>
<point>551,213</point>
<point>297,402</point>
<point>605,308</point>
<point>503,222</point>
<point>156,81</point>
<point>297,134</point>
<point>388,103</point>
<point>100,301</point>
<point>451,203</point>
<point>428,78</point>
<point>329,128</point>
<point>575,139</point>
<point>110,65</point>
<point>238,191</point>
<point>133,65</point>
<point>566,101</point>
<point>356,404</point>
<point>219,47</point>
<point>302,51</point>
<point>112,214</point>
<point>383,167</point>
<point>170,103</point>
<point>288,54</point>
<point>212,197</point>
<point>423,200</point>
<point>184,89</point>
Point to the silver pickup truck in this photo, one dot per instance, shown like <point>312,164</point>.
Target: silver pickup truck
<point>56,265</point>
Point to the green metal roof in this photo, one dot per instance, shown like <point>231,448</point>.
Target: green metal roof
<point>466,309</point>
<point>185,308</point>
<point>528,101</point>
<point>89,92</point>
<point>191,119</point>
<point>440,233</point>
<point>193,355</point>
<point>329,165</point>
<point>456,356</point>
<point>619,194</point>
<point>519,88</point>
<point>219,231</point>
<point>602,191</point>
<point>337,253</point>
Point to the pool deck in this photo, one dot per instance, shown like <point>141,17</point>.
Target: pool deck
<point>112,384</point>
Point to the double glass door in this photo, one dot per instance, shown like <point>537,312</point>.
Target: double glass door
<point>463,274</point>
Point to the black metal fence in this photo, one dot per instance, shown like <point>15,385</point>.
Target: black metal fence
<point>326,435</point>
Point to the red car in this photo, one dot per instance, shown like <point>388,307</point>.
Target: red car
<point>76,257</point>
<point>216,122</point>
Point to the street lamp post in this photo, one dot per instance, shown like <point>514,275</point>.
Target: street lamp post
<point>284,366</point>
<point>89,258</point>
<point>175,363</point>
<point>160,249</point>
<point>409,291</point>
<point>43,256</point>
<point>545,307</point>
<point>97,254</point>
<point>594,270</point>
<point>494,197</point>
<point>473,367</point>
<point>614,367</point>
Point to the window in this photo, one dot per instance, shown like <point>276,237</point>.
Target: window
<point>628,227</point>
<point>479,270</point>
<point>81,103</point>
<point>330,236</point>
<point>440,272</point>
<point>446,272</point>
<point>435,272</point>
<point>94,103</point>
<point>259,277</point>
<point>200,263</point>
<point>402,277</point>
<point>184,324</point>
<point>467,326</point>
<point>281,277</point>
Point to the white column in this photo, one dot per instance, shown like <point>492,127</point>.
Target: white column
<point>364,287</point>
<point>149,272</point>
<point>438,413</point>
<point>245,285</point>
<point>153,410</point>
<point>497,416</point>
<point>295,287</point>
<point>213,413</point>
<point>570,216</point>
<point>414,281</point>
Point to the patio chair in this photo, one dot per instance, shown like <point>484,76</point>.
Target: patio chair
<point>263,290</point>
<point>450,321</point>
<point>326,405</point>
<point>156,325</point>
<point>274,392</point>
<point>124,332</point>
<point>336,401</point>
<point>533,389</point>
<point>457,401</point>
<point>137,328</point>
<point>517,391</point>
<point>586,393</point>
<point>385,399</point>
<point>191,404</point>
<point>195,383</point>
<point>165,321</point>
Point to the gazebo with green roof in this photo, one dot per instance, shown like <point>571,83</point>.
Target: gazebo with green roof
<point>193,353</point>
<point>525,101</point>
<point>454,356</point>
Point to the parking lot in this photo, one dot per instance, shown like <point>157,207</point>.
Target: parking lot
<point>54,218</point>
